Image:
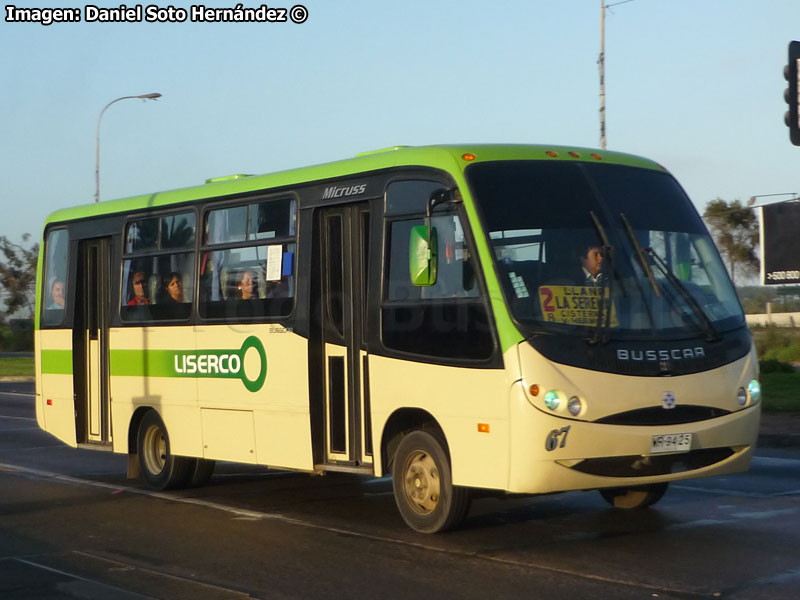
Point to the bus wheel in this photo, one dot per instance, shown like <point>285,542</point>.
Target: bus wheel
<point>634,497</point>
<point>160,468</point>
<point>423,488</point>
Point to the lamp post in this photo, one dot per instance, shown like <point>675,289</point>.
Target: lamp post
<point>152,96</point>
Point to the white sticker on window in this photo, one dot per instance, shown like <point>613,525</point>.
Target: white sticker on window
<point>274,262</point>
<point>520,289</point>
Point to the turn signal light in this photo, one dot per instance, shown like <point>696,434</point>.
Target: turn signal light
<point>483,428</point>
<point>468,156</point>
<point>534,390</point>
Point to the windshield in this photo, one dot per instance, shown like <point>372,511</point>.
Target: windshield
<point>573,239</point>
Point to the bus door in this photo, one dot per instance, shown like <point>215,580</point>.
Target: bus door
<point>90,342</point>
<point>343,242</point>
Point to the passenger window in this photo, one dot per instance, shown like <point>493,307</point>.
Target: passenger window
<point>157,280</point>
<point>177,231</point>
<point>255,280</point>
<point>55,292</point>
<point>263,221</point>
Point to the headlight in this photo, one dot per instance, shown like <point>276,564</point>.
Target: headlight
<point>754,388</point>
<point>552,400</point>
<point>574,406</point>
<point>741,396</point>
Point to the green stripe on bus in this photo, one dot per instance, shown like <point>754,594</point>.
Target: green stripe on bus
<point>56,362</point>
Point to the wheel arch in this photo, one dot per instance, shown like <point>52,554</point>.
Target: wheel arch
<point>399,424</point>
<point>133,427</point>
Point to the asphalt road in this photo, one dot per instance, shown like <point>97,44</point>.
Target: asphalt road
<point>72,526</point>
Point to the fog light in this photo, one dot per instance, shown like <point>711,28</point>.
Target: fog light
<point>574,406</point>
<point>552,400</point>
<point>755,390</point>
<point>741,396</point>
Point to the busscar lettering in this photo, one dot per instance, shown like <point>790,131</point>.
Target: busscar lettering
<point>660,355</point>
<point>43,16</point>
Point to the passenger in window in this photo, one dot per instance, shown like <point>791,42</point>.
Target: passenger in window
<point>56,296</point>
<point>140,296</point>
<point>248,289</point>
<point>591,258</point>
<point>174,288</point>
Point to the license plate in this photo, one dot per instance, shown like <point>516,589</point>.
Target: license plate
<point>672,442</point>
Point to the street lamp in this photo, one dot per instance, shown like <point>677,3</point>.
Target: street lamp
<point>152,96</point>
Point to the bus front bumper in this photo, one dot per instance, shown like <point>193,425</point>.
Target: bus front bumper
<point>574,455</point>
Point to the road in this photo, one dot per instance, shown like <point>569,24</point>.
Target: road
<point>72,526</point>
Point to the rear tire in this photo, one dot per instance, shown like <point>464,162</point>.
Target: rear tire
<point>637,497</point>
<point>161,469</point>
<point>423,486</point>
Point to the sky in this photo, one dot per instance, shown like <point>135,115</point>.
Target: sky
<point>696,85</point>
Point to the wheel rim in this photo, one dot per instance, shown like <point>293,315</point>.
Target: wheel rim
<point>421,482</point>
<point>155,449</point>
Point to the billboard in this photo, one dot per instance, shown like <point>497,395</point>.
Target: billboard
<point>780,243</point>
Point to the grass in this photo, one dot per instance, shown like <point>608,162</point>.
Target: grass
<point>781,392</point>
<point>16,367</point>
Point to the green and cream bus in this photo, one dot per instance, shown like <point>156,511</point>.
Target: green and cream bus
<point>420,312</point>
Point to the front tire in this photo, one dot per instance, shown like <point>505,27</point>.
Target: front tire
<point>634,497</point>
<point>423,487</point>
<point>161,469</point>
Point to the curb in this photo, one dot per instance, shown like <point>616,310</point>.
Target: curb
<point>13,379</point>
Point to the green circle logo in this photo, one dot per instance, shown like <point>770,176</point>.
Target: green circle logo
<point>253,385</point>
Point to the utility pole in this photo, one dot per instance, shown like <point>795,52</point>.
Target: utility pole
<point>601,61</point>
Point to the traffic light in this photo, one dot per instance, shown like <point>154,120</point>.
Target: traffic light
<point>792,94</point>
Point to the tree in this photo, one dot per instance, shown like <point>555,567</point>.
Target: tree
<point>735,230</point>
<point>18,275</point>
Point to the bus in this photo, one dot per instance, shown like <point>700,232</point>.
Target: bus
<point>466,319</point>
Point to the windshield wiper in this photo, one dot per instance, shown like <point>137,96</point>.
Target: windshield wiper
<point>711,332</point>
<point>605,284</point>
<point>640,253</point>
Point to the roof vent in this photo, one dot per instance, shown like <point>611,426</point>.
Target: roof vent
<point>228,178</point>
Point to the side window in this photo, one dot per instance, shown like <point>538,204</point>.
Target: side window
<point>447,320</point>
<point>55,281</point>
<point>247,264</point>
<point>158,268</point>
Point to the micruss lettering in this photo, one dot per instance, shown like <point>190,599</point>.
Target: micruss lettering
<point>43,16</point>
<point>339,192</point>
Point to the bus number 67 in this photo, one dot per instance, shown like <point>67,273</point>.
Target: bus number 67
<point>552,441</point>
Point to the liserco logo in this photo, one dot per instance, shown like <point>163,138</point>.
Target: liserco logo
<point>223,364</point>
<point>217,364</point>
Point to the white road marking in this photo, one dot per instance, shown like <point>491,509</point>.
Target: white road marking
<point>17,418</point>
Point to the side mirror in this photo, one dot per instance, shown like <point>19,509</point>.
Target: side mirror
<point>423,256</point>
